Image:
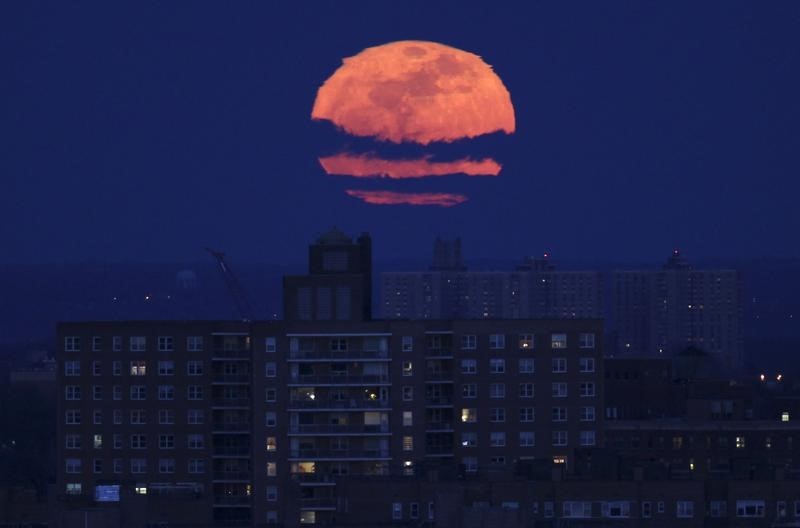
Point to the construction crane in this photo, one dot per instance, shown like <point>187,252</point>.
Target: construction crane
<point>237,292</point>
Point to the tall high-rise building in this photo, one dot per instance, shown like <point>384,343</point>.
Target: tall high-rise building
<point>661,312</point>
<point>534,290</point>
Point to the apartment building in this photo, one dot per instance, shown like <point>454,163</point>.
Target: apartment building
<point>536,289</point>
<point>254,422</point>
<point>661,312</point>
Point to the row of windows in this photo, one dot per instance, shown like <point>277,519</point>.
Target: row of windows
<point>498,341</point>
<point>747,508</point>
<point>135,343</point>
<point>524,366</point>
<point>137,417</point>
<point>196,343</point>
<point>526,414</point>
<point>526,390</point>
<point>136,441</point>
<point>527,439</point>
<point>136,392</point>
<point>136,368</point>
<point>136,466</point>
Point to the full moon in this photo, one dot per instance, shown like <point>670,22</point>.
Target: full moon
<point>415,91</point>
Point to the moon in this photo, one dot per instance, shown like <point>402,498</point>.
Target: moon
<point>415,91</point>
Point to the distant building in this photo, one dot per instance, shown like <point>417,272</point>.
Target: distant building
<point>535,290</point>
<point>661,312</point>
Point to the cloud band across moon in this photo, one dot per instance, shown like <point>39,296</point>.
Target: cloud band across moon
<point>399,198</point>
<point>367,166</point>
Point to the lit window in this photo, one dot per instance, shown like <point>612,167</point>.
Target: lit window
<point>408,368</point>
<point>408,418</point>
<point>138,368</point>
<point>408,443</point>
<point>469,415</point>
<point>469,439</point>
<point>272,444</point>
<point>558,341</point>
<point>97,441</point>
<point>740,442</point>
<point>525,341</point>
<point>785,416</point>
<point>140,489</point>
<point>272,469</point>
<point>408,467</point>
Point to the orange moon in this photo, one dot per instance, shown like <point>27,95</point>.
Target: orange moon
<point>415,91</point>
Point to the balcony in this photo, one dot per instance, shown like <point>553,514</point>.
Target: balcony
<point>438,427</point>
<point>234,452</point>
<point>339,355</point>
<point>231,403</point>
<point>439,401</point>
<point>345,379</point>
<point>439,377</point>
<point>328,503</point>
<point>232,500</point>
<point>232,476</point>
<point>347,429</point>
<point>231,379</point>
<point>237,353</point>
<point>438,451</point>
<point>314,479</point>
<point>338,405</point>
<point>231,428</point>
<point>339,454</point>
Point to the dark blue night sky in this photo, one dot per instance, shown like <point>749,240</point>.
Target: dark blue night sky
<point>146,131</point>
